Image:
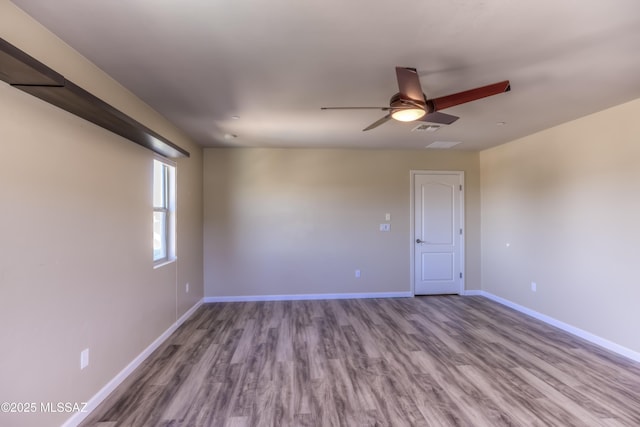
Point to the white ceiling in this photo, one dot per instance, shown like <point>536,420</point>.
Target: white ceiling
<point>275,63</point>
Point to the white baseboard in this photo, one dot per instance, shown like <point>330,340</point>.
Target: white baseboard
<point>595,339</point>
<point>471,292</point>
<point>296,297</point>
<point>93,403</point>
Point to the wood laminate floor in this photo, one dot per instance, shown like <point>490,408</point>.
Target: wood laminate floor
<point>429,361</point>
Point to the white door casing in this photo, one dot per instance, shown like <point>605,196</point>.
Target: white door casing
<point>437,232</point>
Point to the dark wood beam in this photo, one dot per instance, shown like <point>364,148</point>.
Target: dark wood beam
<point>29,75</point>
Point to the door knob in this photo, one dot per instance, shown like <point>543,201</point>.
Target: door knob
<point>420,241</point>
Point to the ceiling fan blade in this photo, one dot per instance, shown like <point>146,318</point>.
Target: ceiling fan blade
<point>438,117</point>
<point>469,95</point>
<point>378,122</point>
<point>409,84</point>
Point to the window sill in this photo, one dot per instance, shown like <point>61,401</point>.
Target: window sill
<point>164,262</point>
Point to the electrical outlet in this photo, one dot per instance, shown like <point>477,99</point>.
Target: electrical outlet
<point>186,288</point>
<point>357,274</point>
<point>385,227</point>
<point>534,287</point>
<point>84,358</point>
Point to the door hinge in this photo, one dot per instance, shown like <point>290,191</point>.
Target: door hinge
<point>460,187</point>
<point>461,274</point>
<point>461,231</point>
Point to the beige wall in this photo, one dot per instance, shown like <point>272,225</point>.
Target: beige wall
<point>566,200</point>
<point>75,247</point>
<point>301,221</point>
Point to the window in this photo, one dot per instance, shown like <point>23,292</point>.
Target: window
<point>163,211</point>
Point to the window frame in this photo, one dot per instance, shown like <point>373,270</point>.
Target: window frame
<point>167,207</point>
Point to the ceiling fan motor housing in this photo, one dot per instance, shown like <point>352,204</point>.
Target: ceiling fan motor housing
<point>400,102</point>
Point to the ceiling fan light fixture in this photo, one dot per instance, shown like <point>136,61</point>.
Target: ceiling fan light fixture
<point>408,114</point>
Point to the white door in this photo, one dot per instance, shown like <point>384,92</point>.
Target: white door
<point>438,239</point>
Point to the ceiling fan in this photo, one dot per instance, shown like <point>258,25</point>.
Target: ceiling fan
<point>410,104</point>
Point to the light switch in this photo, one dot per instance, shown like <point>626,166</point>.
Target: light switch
<point>387,217</point>
<point>385,227</point>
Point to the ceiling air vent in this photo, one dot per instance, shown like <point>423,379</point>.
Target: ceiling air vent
<point>425,127</point>
<point>443,144</point>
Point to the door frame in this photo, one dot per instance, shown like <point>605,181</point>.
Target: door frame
<point>412,225</point>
